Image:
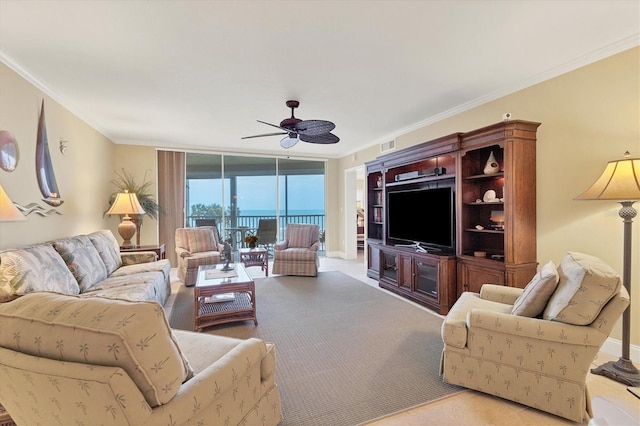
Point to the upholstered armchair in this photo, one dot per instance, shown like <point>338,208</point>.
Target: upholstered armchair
<point>298,253</point>
<point>70,360</point>
<point>194,247</point>
<point>535,345</point>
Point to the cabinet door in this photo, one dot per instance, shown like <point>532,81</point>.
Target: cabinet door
<point>373,261</point>
<point>426,277</point>
<point>472,276</point>
<point>389,268</point>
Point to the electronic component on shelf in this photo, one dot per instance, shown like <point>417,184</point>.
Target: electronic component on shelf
<point>437,171</point>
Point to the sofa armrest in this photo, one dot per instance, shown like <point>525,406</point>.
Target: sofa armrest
<point>534,328</point>
<point>136,257</point>
<point>182,252</point>
<point>500,293</point>
<point>219,378</point>
<point>315,246</point>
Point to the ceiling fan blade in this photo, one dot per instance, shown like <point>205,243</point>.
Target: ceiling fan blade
<point>275,125</point>
<point>314,127</point>
<point>289,141</point>
<point>265,134</point>
<point>326,138</point>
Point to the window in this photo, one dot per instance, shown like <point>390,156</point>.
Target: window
<point>237,191</point>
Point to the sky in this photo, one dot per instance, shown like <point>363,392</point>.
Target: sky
<point>306,193</point>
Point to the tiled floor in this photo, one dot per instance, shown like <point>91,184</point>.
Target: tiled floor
<point>474,408</point>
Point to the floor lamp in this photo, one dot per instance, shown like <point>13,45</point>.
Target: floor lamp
<point>620,181</point>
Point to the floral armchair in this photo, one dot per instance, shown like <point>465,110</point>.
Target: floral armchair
<point>535,345</point>
<point>298,253</point>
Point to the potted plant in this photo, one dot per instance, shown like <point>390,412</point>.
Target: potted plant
<point>126,182</point>
<point>251,239</point>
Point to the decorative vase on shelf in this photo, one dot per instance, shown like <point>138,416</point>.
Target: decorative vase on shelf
<point>252,245</point>
<point>492,166</point>
<point>379,182</point>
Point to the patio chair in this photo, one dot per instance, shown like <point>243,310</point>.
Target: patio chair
<point>267,232</point>
<point>298,253</point>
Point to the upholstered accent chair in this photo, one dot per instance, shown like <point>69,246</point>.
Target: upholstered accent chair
<point>535,345</point>
<point>194,247</point>
<point>298,253</point>
<point>69,360</point>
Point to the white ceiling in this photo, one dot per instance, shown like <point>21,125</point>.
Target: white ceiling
<point>197,74</point>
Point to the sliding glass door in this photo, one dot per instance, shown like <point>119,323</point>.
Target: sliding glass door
<point>237,191</point>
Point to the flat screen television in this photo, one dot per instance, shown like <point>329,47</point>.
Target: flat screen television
<point>425,216</point>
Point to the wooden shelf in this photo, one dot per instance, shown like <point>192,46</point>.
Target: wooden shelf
<point>459,160</point>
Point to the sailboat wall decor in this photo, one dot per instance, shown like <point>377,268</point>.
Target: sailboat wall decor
<point>44,167</point>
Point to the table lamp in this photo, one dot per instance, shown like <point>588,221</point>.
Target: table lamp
<point>620,181</point>
<point>126,203</point>
<point>8,211</point>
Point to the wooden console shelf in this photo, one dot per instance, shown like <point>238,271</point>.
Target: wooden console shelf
<point>495,212</point>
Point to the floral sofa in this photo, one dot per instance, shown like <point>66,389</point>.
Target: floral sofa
<point>86,265</point>
<point>69,360</point>
<point>535,345</point>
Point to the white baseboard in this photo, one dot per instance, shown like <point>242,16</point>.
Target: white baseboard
<point>614,347</point>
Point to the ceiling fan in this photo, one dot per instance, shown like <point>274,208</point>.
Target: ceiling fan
<point>311,131</point>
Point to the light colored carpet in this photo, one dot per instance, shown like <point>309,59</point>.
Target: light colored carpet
<point>346,352</point>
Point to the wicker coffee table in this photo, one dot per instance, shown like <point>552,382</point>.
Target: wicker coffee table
<point>221,297</point>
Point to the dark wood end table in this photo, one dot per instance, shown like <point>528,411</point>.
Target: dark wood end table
<point>159,249</point>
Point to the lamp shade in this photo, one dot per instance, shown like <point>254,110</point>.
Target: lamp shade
<point>620,181</point>
<point>8,211</point>
<point>126,203</point>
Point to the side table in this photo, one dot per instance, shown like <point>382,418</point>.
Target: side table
<point>159,249</point>
<point>255,257</point>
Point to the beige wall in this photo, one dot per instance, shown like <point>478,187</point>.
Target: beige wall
<point>589,116</point>
<point>82,173</point>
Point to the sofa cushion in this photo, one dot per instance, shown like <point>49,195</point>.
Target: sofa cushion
<point>134,336</point>
<point>83,260</point>
<point>108,249</point>
<point>536,294</point>
<point>150,285</point>
<point>34,268</point>
<point>586,284</point>
<point>201,240</point>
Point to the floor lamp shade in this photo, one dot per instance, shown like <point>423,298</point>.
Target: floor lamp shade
<point>126,203</point>
<point>8,211</point>
<point>620,181</point>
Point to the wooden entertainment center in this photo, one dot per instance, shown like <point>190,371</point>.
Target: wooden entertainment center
<point>494,232</point>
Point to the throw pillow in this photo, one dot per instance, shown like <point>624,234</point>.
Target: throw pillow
<point>536,294</point>
<point>201,239</point>
<point>34,268</point>
<point>586,285</point>
<point>108,249</point>
<point>83,260</point>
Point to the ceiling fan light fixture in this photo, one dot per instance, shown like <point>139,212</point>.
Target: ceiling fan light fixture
<point>290,140</point>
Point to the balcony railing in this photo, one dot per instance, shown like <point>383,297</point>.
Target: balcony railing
<point>244,224</point>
